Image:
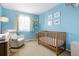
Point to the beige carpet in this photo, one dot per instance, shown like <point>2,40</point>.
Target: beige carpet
<point>33,49</point>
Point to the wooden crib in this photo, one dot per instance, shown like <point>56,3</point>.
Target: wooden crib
<point>53,40</point>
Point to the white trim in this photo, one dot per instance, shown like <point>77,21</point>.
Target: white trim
<point>30,40</point>
<point>68,50</point>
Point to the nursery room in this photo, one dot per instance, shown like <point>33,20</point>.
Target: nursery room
<point>39,29</point>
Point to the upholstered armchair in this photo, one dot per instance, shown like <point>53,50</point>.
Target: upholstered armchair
<point>16,40</point>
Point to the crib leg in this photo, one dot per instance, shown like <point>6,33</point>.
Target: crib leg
<point>38,42</point>
<point>56,51</point>
<point>57,54</point>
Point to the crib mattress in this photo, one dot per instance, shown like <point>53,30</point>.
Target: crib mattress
<point>51,41</point>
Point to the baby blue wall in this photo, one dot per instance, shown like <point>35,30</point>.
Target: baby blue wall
<point>11,14</point>
<point>69,22</point>
<point>0,15</point>
<point>0,10</point>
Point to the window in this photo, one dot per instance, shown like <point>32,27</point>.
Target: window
<point>24,23</point>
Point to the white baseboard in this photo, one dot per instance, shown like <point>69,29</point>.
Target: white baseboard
<point>30,40</point>
<point>68,50</point>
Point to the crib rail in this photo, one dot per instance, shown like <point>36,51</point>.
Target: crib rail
<point>53,38</point>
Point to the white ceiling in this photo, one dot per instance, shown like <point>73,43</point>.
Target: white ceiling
<point>35,8</point>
